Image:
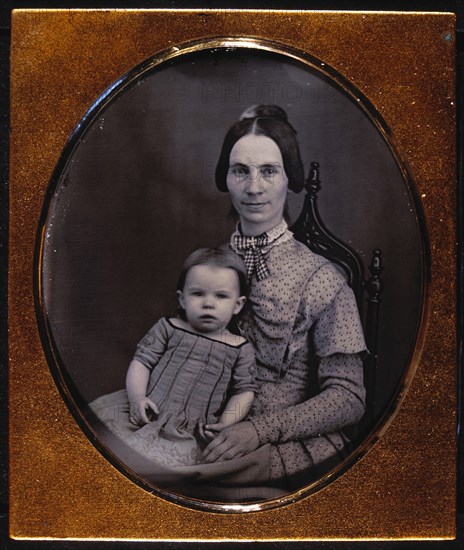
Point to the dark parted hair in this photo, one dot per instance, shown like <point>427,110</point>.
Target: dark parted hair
<point>217,257</point>
<point>270,121</point>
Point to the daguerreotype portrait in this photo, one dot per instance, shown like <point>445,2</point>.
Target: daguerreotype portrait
<point>232,267</point>
<point>181,210</point>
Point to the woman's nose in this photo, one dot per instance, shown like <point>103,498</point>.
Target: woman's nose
<point>253,184</point>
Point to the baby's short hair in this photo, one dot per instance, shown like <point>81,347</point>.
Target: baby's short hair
<point>219,257</point>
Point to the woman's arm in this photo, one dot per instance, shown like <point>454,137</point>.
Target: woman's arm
<point>340,403</point>
<point>337,338</point>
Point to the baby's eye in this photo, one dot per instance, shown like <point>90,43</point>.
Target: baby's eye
<point>197,293</point>
<point>222,295</point>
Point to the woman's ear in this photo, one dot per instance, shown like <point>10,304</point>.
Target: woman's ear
<point>239,305</point>
<point>180,297</point>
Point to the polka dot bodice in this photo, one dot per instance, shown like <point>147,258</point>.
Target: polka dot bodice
<point>304,324</point>
<point>304,304</point>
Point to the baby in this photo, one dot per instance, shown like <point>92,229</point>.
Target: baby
<point>188,371</point>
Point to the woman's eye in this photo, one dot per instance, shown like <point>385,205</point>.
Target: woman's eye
<point>269,171</point>
<point>239,171</point>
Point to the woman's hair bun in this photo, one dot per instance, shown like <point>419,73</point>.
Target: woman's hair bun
<point>264,111</point>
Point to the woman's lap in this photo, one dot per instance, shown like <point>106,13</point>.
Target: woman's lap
<point>119,434</point>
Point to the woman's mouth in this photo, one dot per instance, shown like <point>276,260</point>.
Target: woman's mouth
<point>254,205</point>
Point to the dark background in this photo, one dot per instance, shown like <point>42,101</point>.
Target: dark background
<point>131,180</point>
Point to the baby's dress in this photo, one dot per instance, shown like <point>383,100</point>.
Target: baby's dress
<point>192,376</point>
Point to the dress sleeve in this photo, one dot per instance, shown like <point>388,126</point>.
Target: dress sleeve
<point>332,329</point>
<point>152,346</point>
<point>244,371</point>
<point>340,403</point>
<point>331,309</point>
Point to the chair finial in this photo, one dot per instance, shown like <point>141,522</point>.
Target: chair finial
<point>374,285</point>
<point>313,183</point>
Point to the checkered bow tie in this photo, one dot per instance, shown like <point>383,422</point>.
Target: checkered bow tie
<point>250,247</point>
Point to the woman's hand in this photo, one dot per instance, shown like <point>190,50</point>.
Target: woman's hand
<point>231,442</point>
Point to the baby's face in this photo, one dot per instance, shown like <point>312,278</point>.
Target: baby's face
<point>211,296</point>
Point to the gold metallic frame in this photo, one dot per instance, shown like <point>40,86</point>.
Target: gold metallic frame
<point>393,481</point>
<point>56,363</point>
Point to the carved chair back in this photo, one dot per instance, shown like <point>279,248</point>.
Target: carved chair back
<point>310,230</point>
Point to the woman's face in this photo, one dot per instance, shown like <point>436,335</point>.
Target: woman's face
<point>257,183</point>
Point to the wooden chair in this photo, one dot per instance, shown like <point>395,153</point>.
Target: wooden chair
<point>310,230</point>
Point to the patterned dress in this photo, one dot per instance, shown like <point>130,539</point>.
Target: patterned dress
<point>191,378</point>
<point>304,324</point>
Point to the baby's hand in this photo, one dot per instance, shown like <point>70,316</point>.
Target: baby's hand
<point>144,408</point>
<point>205,433</point>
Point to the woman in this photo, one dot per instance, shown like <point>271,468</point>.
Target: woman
<point>302,319</point>
<point>301,315</point>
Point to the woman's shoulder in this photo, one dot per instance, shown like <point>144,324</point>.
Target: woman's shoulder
<point>296,253</point>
